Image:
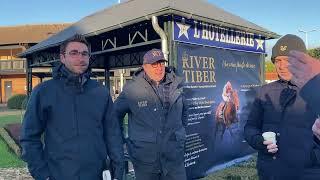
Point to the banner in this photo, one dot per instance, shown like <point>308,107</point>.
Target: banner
<point>202,33</point>
<point>218,97</point>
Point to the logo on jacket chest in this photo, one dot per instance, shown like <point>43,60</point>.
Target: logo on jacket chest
<point>142,104</point>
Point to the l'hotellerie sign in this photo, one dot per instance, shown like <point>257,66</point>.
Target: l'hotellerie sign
<point>202,33</point>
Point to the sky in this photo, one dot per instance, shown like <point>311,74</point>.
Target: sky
<point>280,16</point>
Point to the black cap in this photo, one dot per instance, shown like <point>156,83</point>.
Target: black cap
<point>287,43</point>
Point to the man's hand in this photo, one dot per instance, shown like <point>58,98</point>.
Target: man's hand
<point>302,67</point>
<point>272,148</point>
<point>316,128</point>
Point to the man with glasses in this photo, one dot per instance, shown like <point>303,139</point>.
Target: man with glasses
<point>156,133</point>
<point>72,112</point>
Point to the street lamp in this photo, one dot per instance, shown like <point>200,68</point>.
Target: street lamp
<point>306,35</point>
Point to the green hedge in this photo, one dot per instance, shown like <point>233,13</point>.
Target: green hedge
<point>16,101</point>
<point>270,67</point>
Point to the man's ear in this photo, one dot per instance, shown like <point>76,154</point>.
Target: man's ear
<point>62,58</point>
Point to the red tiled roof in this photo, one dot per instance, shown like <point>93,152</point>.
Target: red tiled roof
<point>28,33</point>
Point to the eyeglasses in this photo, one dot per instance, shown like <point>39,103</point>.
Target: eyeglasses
<point>75,53</point>
<point>156,64</point>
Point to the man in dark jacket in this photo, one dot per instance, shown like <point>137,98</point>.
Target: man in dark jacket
<point>279,108</point>
<point>71,112</point>
<point>153,101</point>
<point>306,74</point>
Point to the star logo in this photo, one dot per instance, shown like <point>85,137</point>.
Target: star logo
<point>183,30</point>
<point>260,43</point>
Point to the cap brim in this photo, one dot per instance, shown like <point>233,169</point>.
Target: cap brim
<point>155,61</point>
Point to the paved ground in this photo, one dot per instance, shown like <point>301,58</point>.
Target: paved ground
<point>14,174</point>
<point>5,111</point>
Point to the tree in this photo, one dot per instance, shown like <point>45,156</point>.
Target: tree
<point>270,67</point>
<point>314,52</point>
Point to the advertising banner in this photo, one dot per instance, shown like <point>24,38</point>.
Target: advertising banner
<point>218,85</point>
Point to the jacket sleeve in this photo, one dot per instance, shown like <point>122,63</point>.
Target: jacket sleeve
<point>113,138</point>
<point>33,126</point>
<point>316,151</point>
<point>311,98</point>
<point>121,108</point>
<point>253,126</point>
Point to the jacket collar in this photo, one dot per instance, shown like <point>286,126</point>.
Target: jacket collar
<point>70,78</point>
<point>170,76</point>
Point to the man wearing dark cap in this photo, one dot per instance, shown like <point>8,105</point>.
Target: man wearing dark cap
<point>279,108</point>
<point>156,133</point>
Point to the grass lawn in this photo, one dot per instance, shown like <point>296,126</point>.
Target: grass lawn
<point>7,158</point>
<point>243,171</point>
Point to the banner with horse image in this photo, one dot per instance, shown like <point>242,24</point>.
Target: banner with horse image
<point>218,89</point>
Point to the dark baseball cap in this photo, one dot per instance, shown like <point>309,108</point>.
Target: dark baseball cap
<point>286,44</point>
<point>153,56</point>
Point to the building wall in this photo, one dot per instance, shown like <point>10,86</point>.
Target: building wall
<point>18,85</point>
<point>271,76</point>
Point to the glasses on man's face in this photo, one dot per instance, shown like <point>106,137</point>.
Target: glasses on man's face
<point>156,64</point>
<point>75,53</point>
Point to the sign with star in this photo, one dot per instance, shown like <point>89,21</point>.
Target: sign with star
<point>202,33</point>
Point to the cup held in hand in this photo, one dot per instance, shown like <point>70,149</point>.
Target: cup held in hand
<point>270,136</point>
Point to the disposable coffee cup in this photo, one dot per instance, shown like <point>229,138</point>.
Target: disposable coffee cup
<point>270,136</point>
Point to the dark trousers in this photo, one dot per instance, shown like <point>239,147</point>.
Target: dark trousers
<point>178,173</point>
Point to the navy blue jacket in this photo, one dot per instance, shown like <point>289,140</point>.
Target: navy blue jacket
<point>156,140</point>
<point>278,107</point>
<point>72,114</point>
<point>310,94</point>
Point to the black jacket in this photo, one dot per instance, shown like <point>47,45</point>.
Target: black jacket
<point>310,94</point>
<point>154,137</point>
<point>278,107</point>
<point>73,113</point>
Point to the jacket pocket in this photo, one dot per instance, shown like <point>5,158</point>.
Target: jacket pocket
<point>64,135</point>
<point>174,149</point>
<point>142,151</point>
<point>181,137</point>
<point>143,136</point>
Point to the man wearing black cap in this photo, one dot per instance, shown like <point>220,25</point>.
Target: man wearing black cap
<point>279,108</point>
<point>156,133</point>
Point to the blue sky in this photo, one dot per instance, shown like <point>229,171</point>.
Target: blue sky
<point>280,16</point>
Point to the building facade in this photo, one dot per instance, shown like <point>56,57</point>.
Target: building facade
<point>15,40</point>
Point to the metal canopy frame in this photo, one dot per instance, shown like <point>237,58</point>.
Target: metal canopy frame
<point>117,49</point>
